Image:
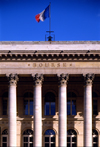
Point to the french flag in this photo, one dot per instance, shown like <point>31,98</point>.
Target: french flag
<point>43,15</point>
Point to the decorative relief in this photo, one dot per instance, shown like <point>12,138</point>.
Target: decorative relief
<point>63,78</point>
<point>13,78</point>
<point>38,78</point>
<point>88,79</point>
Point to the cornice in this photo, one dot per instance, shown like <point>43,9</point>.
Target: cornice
<point>55,57</point>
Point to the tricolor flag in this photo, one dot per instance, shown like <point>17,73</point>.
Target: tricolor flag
<point>43,15</point>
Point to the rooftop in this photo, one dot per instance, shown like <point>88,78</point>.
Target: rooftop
<point>47,42</point>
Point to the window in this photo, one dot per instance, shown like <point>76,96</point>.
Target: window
<point>4,103</point>
<point>49,104</point>
<point>28,138</point>
<point>71,104</point>
<point>49,138</point>
<point>95,108</point>
<point>95,138</point>
<point>28,103</point>
<point>5,138</point>
<point>71,138</point>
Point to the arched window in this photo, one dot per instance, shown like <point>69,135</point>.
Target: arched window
<point>71,103</point>
<point>28,103</point>
<point>4,103</point>
<point>95,102</point>
<point>5,138</point>
<point>49,138</point>
<point>28,138</point>
<point>95,138</point>
<point>49,104</point>
<point>71,138</point>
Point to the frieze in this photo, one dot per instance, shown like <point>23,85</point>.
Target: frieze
<point>47,65</point>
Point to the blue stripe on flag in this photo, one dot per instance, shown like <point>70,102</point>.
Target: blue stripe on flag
<point>46,13</point>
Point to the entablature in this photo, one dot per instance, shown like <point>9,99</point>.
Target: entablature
<point>22,51</point>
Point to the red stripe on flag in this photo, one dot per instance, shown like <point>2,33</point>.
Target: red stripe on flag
<point>37,17</point>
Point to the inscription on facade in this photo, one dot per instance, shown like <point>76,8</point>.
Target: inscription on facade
<point>47,65</point>
<point>51,65</point>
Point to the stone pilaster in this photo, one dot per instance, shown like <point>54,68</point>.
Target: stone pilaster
<point>63,78</point>
<point>88,110</point>
<point>13,78</point>
<point>38,78</point>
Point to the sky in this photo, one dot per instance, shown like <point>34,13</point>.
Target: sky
<point>71,20</point>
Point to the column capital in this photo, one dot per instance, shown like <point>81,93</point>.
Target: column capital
<point>63,79</point>
<point>88,79</point>
<point>13,78</point>
<point>38,78</point>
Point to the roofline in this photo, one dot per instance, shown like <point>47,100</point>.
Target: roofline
<point>47,42</point>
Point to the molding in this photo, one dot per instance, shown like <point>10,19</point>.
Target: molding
<point>55,57</point>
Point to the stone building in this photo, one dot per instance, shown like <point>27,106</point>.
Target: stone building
<point>49,94</point>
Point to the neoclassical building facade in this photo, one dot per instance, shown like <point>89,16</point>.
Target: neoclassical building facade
<point>50,94</point>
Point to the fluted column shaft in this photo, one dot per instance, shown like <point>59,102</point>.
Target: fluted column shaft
<point>63,110</point>
<point>38,111</point>
<point>12,110</point>
<point>88,110</point>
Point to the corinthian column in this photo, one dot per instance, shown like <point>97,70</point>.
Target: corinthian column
<point>38,78</point>
<point>63,110</point>
<point>88,110</point>
<point>12,110</point>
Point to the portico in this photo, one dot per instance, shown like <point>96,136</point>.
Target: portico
<point>71,75</point>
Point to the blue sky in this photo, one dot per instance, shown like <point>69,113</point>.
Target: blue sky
<point>71,20</point>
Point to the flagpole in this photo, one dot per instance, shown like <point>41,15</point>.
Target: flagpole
<point>50,37</point>
<point>50,19</point>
